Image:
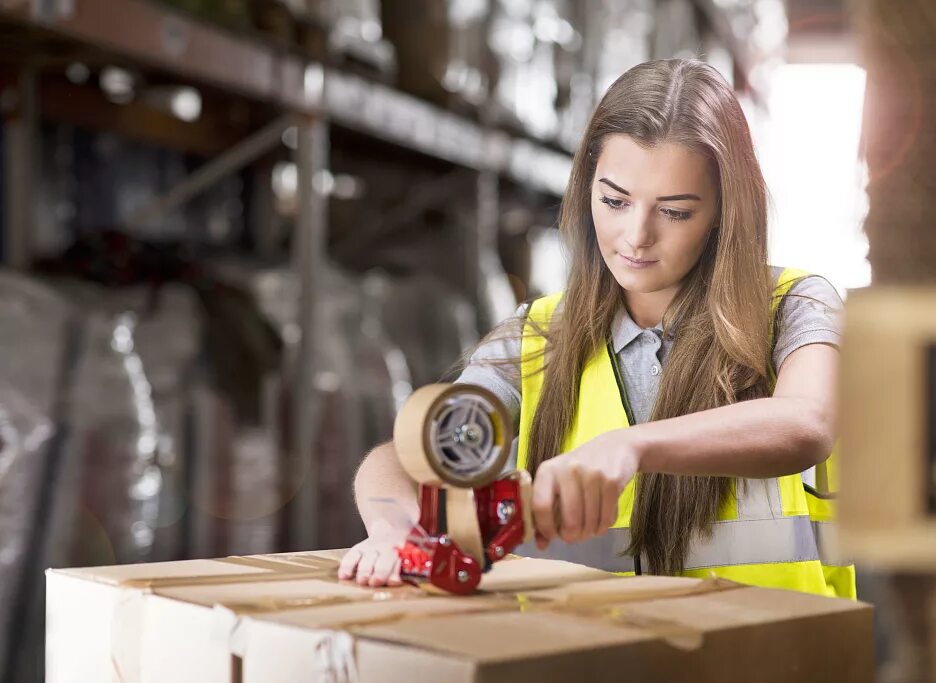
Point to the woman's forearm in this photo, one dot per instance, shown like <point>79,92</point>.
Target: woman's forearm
<point>380,479</point>
<point>762,438</point>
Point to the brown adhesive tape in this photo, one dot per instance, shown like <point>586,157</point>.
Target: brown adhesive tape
<point>220,579</point>
<point>268,605</point>
<point>412,436</point>
<point>285,562</point>
<point>461,515</point>
<point>601,605</point>
<point>278,570</point>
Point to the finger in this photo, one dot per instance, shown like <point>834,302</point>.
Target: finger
<point>541,541</point>
<point>395,579</point>
<point>609,506</point>
<point>366,567</point>
<point>544,494</point>
<point>383,567</point>
<point>591,504</point>
<point>570,505</point>
<point>349,563</point>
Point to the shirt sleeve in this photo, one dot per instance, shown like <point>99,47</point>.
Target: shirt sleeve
<point>811,313</point>
<point>503,380</point>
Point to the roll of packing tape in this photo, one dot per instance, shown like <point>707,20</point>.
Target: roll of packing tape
<point>462,525</point>
<point>453,435</point>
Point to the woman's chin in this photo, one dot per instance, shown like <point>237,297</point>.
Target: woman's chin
<point>640,283</point>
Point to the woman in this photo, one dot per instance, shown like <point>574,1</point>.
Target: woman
<point>669,399</point>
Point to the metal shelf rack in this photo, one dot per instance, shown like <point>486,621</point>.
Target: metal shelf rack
<point>154,38</point>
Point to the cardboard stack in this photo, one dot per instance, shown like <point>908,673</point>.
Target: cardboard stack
<point>287,618</point>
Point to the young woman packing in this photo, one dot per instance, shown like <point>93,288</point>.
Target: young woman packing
<point>676,403</point>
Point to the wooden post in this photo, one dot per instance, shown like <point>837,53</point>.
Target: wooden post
<point>899,51</point>
<point>899,139</point>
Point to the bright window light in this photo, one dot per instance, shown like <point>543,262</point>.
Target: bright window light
<point>808,148</point>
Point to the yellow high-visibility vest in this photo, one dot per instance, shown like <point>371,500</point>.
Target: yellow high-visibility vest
<point>770,532</point>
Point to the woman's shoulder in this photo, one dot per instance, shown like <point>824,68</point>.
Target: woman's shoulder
<point>809,312</point>
<point>802,284</point>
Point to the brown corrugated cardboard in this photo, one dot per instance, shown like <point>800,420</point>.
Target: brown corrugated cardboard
<point>286,618</point>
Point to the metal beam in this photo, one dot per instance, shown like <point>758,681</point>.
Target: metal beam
<point>309,262</point>
<point>20,157</point>
<point>421,197</point>
<point>232,161</point>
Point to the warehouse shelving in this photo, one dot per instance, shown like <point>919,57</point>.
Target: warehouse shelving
<point>153,36</point>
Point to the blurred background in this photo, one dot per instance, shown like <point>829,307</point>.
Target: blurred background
<point>237,233</point>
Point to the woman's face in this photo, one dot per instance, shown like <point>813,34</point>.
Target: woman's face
<point>653,209</point>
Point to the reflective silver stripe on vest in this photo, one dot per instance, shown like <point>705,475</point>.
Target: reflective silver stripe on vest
<point>759,541</point>
<point>755,541</point>
<point>827,540</point>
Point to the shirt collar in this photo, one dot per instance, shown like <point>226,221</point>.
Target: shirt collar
<point>624,330</point>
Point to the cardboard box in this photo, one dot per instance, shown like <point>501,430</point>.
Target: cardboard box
<point>287,618</point>
<point>887,506</point>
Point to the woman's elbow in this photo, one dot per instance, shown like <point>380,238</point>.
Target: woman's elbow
<point>815,435</point>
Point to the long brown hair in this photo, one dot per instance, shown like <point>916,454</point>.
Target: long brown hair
<point>720,317</point>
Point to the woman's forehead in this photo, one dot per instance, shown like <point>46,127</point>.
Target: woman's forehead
<point>664,169</point>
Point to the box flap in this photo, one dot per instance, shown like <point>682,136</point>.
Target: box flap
<point>636,609</point>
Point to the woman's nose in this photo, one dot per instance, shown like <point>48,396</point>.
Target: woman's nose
<point>638,230</point>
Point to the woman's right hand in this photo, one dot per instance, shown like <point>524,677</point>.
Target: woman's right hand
<point>375,560</point>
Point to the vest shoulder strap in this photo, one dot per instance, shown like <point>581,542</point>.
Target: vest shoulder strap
<point>542,309</point>
<point>788,278</point>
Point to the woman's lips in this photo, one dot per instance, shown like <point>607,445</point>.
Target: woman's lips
<point>637,263</point>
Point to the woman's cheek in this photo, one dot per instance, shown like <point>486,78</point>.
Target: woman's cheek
<point>601,231</point>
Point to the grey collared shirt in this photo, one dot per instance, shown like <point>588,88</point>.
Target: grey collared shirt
<point>810,314</point>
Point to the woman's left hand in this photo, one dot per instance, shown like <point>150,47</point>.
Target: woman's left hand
<point>575,495</point>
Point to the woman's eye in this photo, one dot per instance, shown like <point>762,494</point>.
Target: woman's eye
<point>675,215</point>
<point>613,203</point>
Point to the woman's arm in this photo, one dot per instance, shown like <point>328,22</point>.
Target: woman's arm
<point>375,561</point>
<point>381,477</point>
<point>784,434</point>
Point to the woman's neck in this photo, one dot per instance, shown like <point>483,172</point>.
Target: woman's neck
<point>647,309</point>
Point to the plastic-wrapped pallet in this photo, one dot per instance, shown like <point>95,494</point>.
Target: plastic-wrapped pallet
<point>238,477</point>
<point>430,321</point>
<point>237,470</point>
<point>168,341</point>
<point>33,344</point>
<point>126,413</point>
<point>382,365</point>
<point>336,410</point>
<point>360,379</point>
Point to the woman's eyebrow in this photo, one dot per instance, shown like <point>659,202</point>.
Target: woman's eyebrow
<point>677,197</point>
<point>668,198</point>
<point>613,186</point>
